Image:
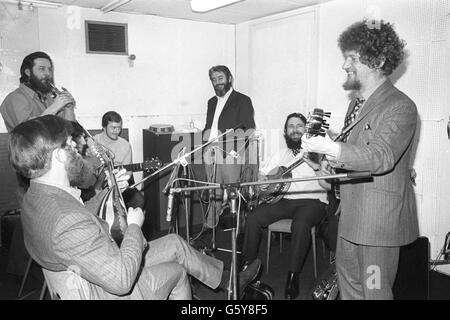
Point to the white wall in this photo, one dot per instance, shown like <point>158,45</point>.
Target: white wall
<point>168,83</point>
<point>424,76</point>
<point>277,68</point>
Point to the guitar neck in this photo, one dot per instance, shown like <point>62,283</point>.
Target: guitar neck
<point>133,167</point>
<point>294,165</point>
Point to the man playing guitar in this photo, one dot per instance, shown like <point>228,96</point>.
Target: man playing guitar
<point>304,202</point>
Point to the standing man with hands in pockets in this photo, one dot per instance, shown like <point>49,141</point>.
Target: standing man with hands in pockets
<point>378,216</point>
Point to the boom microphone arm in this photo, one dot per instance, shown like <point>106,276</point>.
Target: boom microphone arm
<point>348,175</point>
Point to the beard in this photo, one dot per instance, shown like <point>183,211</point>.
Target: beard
<point>351,84</point>
<point>77,170</point>
<point>221,89</point>
<point>41,85</point>
<point>293,143</point>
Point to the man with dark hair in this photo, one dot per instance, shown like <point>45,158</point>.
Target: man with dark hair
<point>378,215</point>
<point>34,96</point>
<point>228,109</point>
<point>303,202</point>
<point>121,152</point>
<point>110,138</point>
<point>62,233</point>
<point>32,99</point>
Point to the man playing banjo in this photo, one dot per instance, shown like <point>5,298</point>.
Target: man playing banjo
<point>303,202</point>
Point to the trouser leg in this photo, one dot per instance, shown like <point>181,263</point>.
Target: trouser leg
<point>173,248</point>
<point>308,213</point>
<point>378,269</point>
<point>348,270</point>
<point>263,216</point>
<point>165,281</point>
<point>366,272</point>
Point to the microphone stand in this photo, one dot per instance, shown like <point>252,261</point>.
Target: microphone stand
<point>180,158</point>
<point>232,191</point>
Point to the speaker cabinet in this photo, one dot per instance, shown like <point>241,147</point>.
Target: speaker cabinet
<point>412,281</point>
<point>166,147</point>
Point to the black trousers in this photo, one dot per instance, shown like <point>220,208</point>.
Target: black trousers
<point>305,213</point>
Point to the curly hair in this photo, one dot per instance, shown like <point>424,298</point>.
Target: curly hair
<point>374,43</point>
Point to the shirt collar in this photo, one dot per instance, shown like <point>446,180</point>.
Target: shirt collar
<point>73,191</point>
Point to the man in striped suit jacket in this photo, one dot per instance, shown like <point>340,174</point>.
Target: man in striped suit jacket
<point>379,214</point>
<point>61,233</point>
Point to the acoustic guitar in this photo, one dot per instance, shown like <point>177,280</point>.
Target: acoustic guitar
<point>272,193</point>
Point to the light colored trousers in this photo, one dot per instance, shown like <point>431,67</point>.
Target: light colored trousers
<point>365,272</point>
<point>168,261</point>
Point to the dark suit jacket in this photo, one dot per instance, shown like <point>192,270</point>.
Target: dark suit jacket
<point>381,212</point>
<point>237,110</point>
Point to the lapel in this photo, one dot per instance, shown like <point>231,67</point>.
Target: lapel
<point>229,103</point>
<point>369,106</point>
<point>213,107</point>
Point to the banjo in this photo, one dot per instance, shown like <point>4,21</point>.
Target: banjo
<point>272,193</point>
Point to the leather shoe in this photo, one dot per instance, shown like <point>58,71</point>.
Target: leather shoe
<point>291,291</point>
<point>248,274</point>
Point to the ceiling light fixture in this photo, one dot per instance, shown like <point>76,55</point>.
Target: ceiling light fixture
<point>208,5</point>
<point>35,3</point>
<point>113,5</point>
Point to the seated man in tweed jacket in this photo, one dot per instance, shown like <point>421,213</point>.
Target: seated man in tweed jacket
<point>62,233</point>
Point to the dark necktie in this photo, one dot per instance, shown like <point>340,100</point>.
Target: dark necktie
<point>351,117</point>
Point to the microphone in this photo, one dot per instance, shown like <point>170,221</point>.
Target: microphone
<point>359,174</point>
<point>169,206</point>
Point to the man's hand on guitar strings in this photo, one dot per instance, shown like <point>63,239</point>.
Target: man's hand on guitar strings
<point>121,178</point>
<point>319,144</point>
<point>314,165</point>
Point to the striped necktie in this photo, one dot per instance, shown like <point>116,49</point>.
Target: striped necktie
<point>348,121</point>
<point>351,117</point>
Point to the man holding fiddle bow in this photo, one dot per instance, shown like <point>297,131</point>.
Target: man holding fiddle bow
<point>303,202</point>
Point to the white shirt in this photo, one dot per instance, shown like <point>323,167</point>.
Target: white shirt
<point>221,101</point>
<point>297,190</point>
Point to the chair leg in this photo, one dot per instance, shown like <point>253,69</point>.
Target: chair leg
<point>323,250</point>
<point>281,242</point>
<point>43,290</point>
<point>269,238</point>
<point>313,239</point>
<point>25,276</point>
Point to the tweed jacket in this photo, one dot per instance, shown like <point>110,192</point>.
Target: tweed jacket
<point>63,234</point>
<point>380,212</point>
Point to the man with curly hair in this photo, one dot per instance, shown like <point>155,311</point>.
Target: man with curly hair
<point>378,214</point>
